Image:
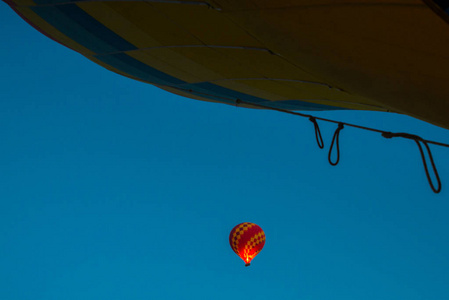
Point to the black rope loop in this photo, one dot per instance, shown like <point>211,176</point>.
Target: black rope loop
<point>418,140</point>
<point>336,139</point>
<point>319,138</point>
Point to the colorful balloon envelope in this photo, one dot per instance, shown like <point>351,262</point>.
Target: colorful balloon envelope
<point>299,55</point>
<point>247,240</point>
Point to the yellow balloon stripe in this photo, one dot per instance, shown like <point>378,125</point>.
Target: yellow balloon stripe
<point>238,234</point>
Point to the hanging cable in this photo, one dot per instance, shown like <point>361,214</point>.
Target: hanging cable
<point>327,120</point>
<point>319,137</point>
<point>436,189</point>
<point>336,139</point>
<point>418,140</point>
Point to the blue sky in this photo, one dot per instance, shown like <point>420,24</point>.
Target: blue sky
<point>114,189</point>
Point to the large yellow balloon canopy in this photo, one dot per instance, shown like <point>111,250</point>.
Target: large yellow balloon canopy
<point>291,54</point>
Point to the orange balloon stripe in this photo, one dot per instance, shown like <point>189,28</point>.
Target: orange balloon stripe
<point>254,245</point>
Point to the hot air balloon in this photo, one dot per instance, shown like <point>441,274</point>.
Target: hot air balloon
<point>247,240</point>
<point>298,55</point>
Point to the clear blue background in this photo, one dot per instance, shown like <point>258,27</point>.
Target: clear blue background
<point>114,189</point>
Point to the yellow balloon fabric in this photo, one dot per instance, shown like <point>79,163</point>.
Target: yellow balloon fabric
<point>289,54</point>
